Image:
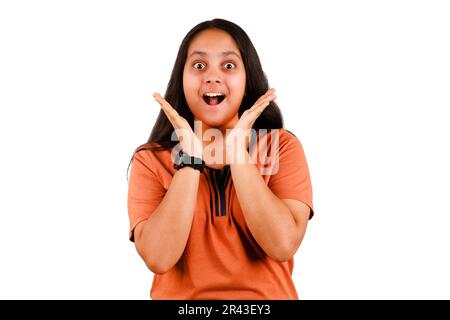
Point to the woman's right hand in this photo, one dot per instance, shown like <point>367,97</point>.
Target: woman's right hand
<point>189,142</point>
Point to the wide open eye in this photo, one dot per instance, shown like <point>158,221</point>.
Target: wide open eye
<point>199,64</point>
<point>229,66</point>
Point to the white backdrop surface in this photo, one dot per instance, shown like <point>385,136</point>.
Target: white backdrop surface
<point>363,84</point>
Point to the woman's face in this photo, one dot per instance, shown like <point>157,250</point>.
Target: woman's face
<point>214,66</point>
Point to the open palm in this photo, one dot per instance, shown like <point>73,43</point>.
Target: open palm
<point>189,141</point>
<point>241,131</point>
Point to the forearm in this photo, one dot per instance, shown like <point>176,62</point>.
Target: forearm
<point>268,218</point>
<point>164,235</point>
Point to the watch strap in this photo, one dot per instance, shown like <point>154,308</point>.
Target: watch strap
<point>185,160</point>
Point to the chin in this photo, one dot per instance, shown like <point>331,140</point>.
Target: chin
<point>214,123</point>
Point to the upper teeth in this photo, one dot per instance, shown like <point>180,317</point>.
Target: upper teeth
<point>213,94</point>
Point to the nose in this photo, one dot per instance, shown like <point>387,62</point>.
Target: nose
<point>210,80</point>
<point>212,76</point>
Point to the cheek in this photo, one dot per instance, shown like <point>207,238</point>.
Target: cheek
<point>187,83</point>
<point>237,85</point>
<point>190,87</point>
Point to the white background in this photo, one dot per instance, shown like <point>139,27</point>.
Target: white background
<point>363,84</point>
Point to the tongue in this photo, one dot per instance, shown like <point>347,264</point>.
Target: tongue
<point>213,101</point>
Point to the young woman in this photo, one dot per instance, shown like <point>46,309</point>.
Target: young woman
<point>207,215</point>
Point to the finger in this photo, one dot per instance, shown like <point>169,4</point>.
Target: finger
<point>268,95</point>
<point>163,102</point>
<point>252,115</point>
<point>263,101</point>
<point>167,108</point>
<point>170,112</point>
<point>256,111</point>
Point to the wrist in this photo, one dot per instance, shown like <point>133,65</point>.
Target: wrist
<point>196,155</point>
<point>183,159</point>
<point>237,156</point>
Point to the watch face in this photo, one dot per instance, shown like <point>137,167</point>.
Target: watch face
<point>186,159</point>
<point>181,160</point>
<point>177,160</point>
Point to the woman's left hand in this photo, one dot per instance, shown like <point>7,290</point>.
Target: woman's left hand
<point>240,135</point>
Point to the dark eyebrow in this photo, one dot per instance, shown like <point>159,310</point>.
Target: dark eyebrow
<point>225,53</point>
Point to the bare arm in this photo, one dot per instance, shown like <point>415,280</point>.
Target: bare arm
<point>278,225</point>
<point>160,240</point>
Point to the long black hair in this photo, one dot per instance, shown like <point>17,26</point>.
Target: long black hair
<point>255,86</point>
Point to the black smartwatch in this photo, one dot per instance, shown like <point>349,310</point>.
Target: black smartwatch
<point>184,160</point>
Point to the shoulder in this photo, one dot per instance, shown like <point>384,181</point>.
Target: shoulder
<point>284,138</point>
<point>280,139</point>
<point>286,135</point>
<point>150,146</point>
<point>288,147</point>
<point>152,154</point>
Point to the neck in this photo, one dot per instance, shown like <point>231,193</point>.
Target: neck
<point>222,128</point>
<point>213,141</point>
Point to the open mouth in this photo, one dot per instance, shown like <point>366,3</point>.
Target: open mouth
<point>213,99</point>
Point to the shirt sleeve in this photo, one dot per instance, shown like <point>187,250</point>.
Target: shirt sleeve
<point>292,179</point>
<point>145,191</point>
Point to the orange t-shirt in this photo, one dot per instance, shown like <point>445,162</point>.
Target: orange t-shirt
<point>221,259</point>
